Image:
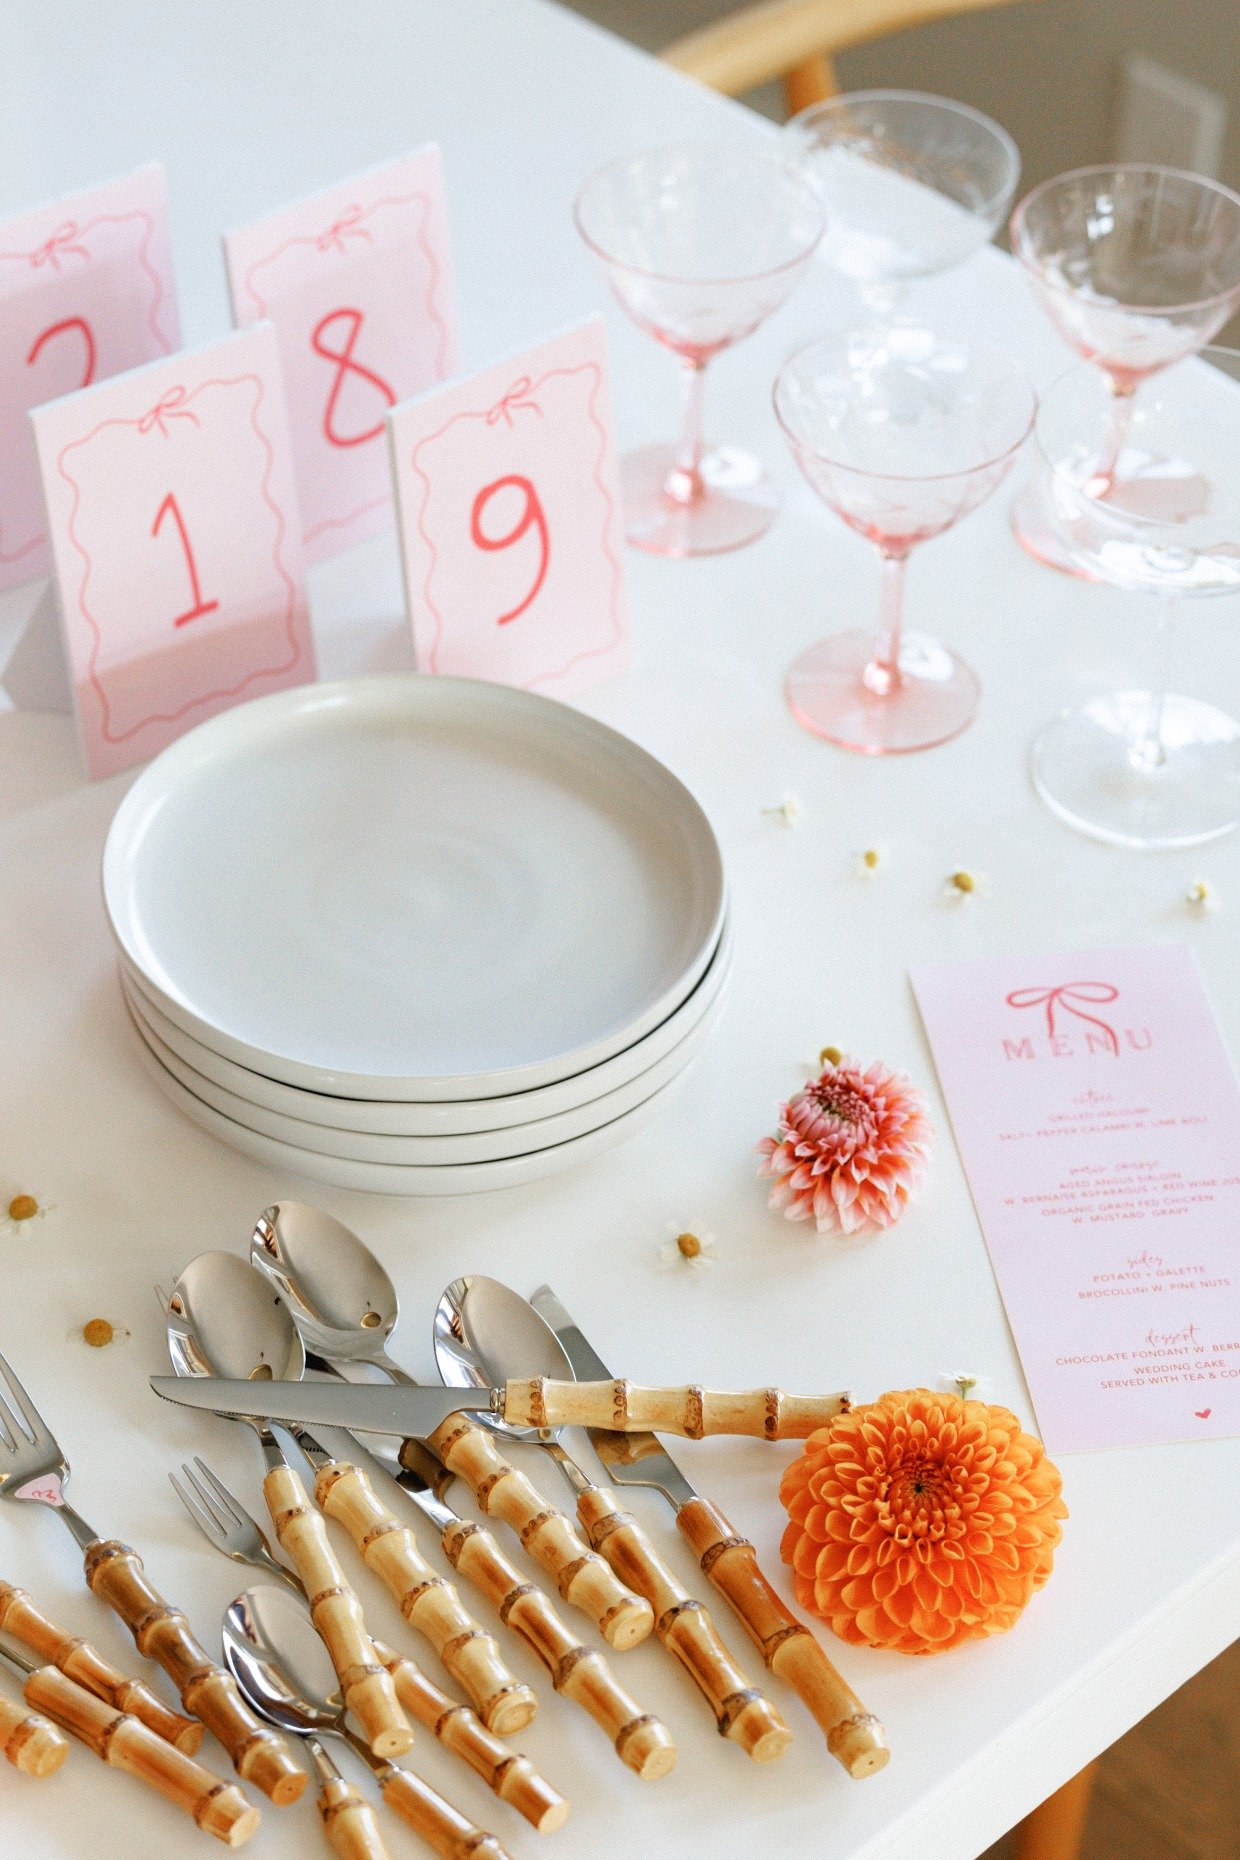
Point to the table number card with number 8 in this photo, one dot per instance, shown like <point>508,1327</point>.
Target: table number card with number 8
<point>510,522</point>
<point>358,283</point>
<point>176,541</point>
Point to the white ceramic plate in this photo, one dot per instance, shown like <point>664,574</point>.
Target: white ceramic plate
<point>413,888</point>
<point>393,1179</point>
<point>481,1146</point>
<point>383,1118</point>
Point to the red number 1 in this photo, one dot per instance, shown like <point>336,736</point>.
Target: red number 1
<point>200,607</point>
<point>533,516</point>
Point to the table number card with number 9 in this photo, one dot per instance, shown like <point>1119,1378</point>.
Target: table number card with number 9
<point>358,283</point>
<point>176,540</point>
<point>86,291</point>
<point>510,522</point>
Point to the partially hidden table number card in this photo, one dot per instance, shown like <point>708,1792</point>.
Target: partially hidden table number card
<point>358,283</point>
<point>1099,1124</point>
<point>176,538</point>
<point>510,522</point>
<point>86,291</point>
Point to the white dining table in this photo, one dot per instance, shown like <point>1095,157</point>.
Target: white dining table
<point>249,105</point>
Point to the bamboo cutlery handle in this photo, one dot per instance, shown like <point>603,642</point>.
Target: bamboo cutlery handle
<point>337,1615</point>
<point>78,1660</point>
<point>579,1673</point>
<point>260,1756</point>
<point>623,1408</point>
<point>350,1822</point>
<point>582,1577</point>
<point>219,1808</point>
<point>440,1825</point>
<point>854,1735</point>
<point>511,1777</point>
<point>686,1629</point>
<point>428,1602</point>
<point>31,1743</point>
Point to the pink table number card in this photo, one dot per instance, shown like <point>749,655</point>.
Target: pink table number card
<point>510,522</point>
<point>358,283</point>
<point>1099,1124</point>
<point>176,539</point>
<point>86,291</point>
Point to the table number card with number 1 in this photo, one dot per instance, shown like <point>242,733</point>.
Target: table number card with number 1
<point>358,283</point>
<point>176,539</point>
<point>510,522</point>
<point>86,291</point>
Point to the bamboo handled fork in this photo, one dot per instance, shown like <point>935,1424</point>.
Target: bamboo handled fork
<point>33,1469</point>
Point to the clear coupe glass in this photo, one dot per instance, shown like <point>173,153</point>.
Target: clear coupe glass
<point>700,245</point>
<point>902,434</point>
<point>1137,266</point>
<point>911,185</point>
<point>1161,516</point>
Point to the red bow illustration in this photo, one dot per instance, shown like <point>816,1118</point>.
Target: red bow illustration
<point>348,226</point>
<point>1074,998</point>
<point>60,244</point>
<point>518,395</point>
<point>169,408</point>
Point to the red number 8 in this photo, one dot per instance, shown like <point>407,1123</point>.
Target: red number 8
<point>532,516</point>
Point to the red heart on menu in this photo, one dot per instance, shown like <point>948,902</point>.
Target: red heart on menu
<point>1203,1414</point>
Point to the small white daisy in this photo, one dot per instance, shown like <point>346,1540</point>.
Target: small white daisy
<point>870,863</point>
<point>787,812</point>
<point>1200,896</point>
<point>684,1249</point>
<point>961,886</point>
<point>23,1209</point>
<point>964,1383</point>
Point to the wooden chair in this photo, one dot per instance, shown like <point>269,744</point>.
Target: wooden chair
<point>795,39</point>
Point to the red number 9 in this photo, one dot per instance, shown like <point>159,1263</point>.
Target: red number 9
<point>532,517</point>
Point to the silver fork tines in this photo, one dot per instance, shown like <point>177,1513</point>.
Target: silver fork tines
<point>225,1522</point>
<point>32,1466</point>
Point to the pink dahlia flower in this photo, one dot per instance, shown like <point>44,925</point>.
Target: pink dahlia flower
<point>852,1149</point>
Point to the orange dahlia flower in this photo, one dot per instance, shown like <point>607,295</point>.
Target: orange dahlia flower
<point>920,1520</point>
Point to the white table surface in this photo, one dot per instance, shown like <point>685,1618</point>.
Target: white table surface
<point>249,105</point>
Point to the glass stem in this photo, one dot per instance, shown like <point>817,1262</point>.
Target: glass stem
<point>685,484</point>
<point>882,674</point>
<point>1118,423</point>
<point>1149,751</point>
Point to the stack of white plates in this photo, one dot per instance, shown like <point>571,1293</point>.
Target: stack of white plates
<point>419,935</point>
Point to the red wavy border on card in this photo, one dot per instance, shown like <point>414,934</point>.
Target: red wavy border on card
<point>290,610</point>
<point>157,298</point>
<point>528,395</point>
<point>316,242</point>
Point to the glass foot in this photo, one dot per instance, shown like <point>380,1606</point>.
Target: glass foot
<point>740,502</point>
<point>1035,531</point>
<point>934,699</point>
<point>1089,768</point>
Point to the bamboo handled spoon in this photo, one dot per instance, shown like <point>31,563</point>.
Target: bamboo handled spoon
<point>313,1259</point>
<point>218,1807</point>
<point>484,1333</point>
<point>216,1326</point>
<point>31,1743</point>
<point>345,1307</point>
<point>277,1660</point>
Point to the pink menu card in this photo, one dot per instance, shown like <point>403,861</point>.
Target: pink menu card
<point>86,291</point>
<point>1099,1124</point>
<point>358,283</point>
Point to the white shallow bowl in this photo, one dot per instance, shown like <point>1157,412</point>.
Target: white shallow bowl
<point>413,889</point>
<point>480,1146</point>
<point>394,1179</point>
<point>378,1117</point>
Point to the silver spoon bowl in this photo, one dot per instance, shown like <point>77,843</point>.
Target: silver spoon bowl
<point>485,1334</point>
<point>273,1652</point>
<point>344,1304</point>
<point>225,1320</point>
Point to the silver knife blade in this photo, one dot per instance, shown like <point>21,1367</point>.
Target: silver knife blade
<point>631,1459</point>
<point>372,1407</point>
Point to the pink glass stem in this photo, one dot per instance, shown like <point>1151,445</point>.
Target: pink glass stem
<point>1149,751</point>
<point>1118,423</point>
<point>685,484</point>
<point>882,674</point>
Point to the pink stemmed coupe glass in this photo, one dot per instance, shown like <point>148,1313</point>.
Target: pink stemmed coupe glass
<point>902,433</point>
<point>1137,266</point>
<point>699,245</point>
